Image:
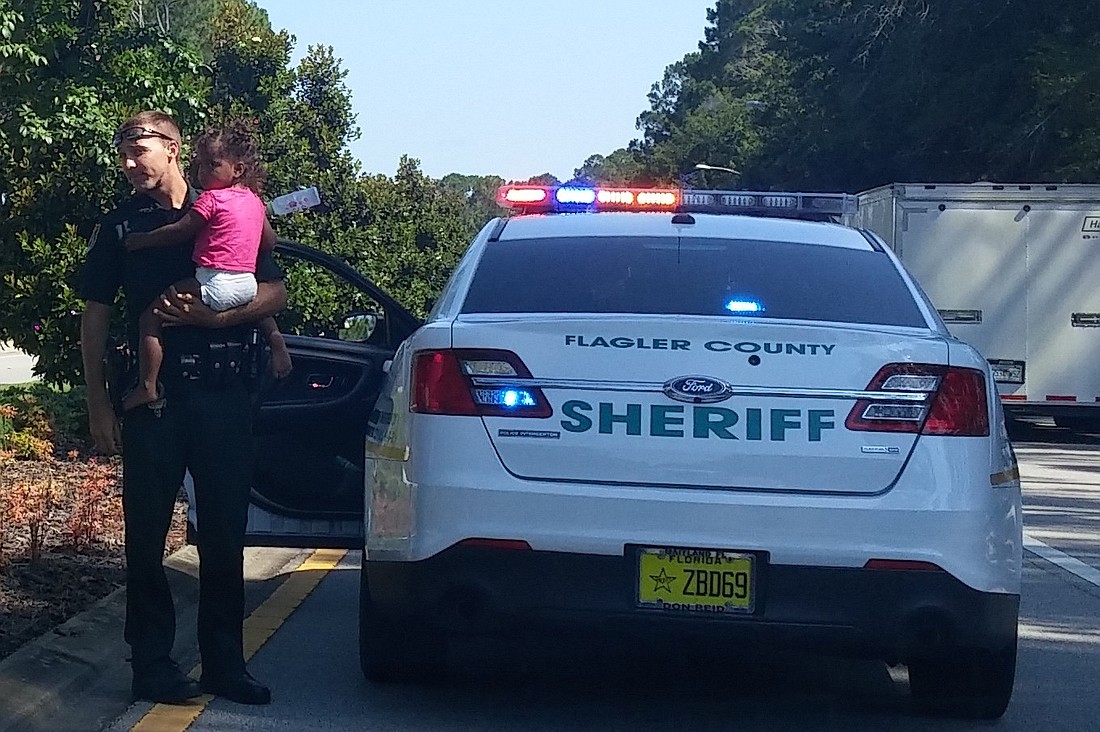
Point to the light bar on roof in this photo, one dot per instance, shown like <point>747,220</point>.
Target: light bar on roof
<point>575,198</point>
<point>769,203</point>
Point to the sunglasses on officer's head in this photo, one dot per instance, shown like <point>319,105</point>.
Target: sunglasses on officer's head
<point>132,134</point>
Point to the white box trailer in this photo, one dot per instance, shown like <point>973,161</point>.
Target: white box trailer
<point>1013,270</point>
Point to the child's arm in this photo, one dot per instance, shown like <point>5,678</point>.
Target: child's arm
<point>268,237</point>
<point>169,235</point>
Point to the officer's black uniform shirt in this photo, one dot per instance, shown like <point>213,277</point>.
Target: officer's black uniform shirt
<point>145,274</point>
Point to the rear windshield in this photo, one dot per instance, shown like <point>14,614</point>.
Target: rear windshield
<point>690,277</point>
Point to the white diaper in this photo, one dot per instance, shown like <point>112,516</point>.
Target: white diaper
<point>223,290</point>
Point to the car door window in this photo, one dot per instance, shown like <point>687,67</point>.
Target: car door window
<point>320,304</point>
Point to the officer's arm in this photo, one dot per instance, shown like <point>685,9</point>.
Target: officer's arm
<point>177,308</point>
<point>169,235</point>
<point>94,328</point>
<point>268,237</point>
<point>93,348</point>
<point>269,301</point>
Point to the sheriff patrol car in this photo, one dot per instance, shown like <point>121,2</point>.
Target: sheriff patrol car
<point>665,410</point>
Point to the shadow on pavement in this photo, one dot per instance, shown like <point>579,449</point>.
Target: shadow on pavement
<point>1042,430</point>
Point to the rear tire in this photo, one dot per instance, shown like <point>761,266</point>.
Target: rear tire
<point>970,683</point>
<point>393,650</point>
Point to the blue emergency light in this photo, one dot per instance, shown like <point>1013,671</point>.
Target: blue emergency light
<point>508,398</point>
<point>745,307</point>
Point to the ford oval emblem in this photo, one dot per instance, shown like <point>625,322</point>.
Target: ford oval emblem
<point>698,389</point>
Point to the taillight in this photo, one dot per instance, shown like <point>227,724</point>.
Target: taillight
<point>476,383</point>
<point>438,385</point>
<point>960,406</point>
<point>931,399</point>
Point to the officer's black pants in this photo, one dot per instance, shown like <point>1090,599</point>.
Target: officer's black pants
<point>208,431</point>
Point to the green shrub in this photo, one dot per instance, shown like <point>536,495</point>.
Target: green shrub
<point>44,413</point>
<point>25,446</point>
<point>7,421</point>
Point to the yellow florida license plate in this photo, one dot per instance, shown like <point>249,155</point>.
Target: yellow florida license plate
<point>696,580</point>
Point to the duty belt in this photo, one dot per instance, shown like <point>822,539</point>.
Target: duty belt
<point>220,363</point>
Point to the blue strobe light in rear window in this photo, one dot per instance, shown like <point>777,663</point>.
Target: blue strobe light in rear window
<point>510,398</point>
<point>744,306</point>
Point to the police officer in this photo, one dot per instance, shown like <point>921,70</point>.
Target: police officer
<point>203,424</point>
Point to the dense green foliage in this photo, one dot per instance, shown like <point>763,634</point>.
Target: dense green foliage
<point>36,419</point>
<point>807,94</point>
<point>850,94</point>
<point>72,70</point>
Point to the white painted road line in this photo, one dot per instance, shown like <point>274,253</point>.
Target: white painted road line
<point>1063,560</point>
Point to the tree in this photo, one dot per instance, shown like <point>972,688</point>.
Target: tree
<point>622,167</point>
<point>72,69</point>
<point>849,94</point>
<point>480,193</point>
<point>415,233</point>
<point>544,179</point>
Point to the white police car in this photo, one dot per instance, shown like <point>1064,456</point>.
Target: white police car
<point>692,410</point>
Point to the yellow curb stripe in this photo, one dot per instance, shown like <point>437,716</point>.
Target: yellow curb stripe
<point>258,628</point>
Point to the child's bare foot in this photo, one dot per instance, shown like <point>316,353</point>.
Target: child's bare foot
<point>281,365</point>
<point>139,396</point>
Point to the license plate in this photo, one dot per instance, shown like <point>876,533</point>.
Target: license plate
<point>696,580</point>
<point>1007,372</point>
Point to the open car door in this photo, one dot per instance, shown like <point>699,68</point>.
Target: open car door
<point>342,331</point>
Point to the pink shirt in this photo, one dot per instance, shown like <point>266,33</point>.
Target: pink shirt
<point>230,241</point>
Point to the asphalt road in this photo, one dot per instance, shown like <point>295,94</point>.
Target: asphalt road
<point>312,666</point>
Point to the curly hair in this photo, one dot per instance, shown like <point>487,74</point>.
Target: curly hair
<point>235,142</point>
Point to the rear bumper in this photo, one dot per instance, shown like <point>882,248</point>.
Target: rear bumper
<point>943,510</point>
<point>888,614</point>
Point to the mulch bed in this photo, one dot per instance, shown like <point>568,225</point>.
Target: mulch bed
<point>38,593</point>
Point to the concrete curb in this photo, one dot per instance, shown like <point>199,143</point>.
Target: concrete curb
<point>76,677</point>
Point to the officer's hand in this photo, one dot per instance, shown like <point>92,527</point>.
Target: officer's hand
<point>103,425</point>
<point>181,308</point>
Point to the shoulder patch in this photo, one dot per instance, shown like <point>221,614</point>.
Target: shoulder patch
<point>93,238</point>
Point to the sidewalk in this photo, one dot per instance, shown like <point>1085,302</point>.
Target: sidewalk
<point>15,366</point>
<point>76,678</point>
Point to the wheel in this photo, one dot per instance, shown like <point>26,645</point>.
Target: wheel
<point>971,683</point>
<point>392,650</point>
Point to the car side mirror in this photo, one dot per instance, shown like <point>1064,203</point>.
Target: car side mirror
<point>358,327</point>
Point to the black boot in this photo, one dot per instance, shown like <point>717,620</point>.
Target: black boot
<point>164,683</point>
<point>241,688</point>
